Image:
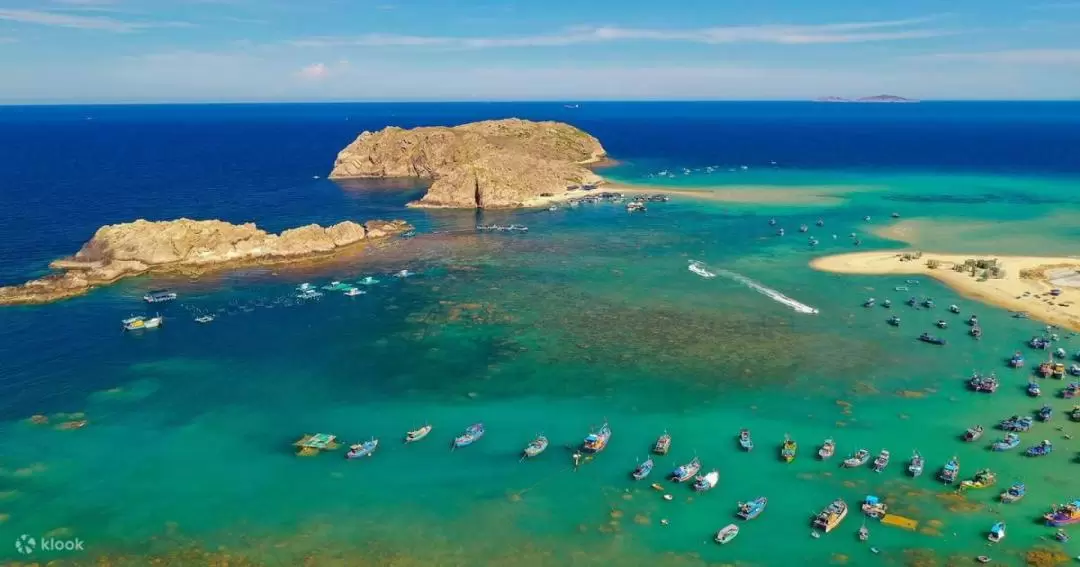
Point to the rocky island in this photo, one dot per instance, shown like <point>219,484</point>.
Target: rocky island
<point>491,164</point>
<point>129,249</point>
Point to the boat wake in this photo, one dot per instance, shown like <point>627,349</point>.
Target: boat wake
<point>699,268</point>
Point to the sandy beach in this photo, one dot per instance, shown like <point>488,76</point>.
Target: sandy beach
<point>735,194</point>
<point>1025,285</point>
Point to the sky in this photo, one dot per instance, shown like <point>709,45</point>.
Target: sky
<point>74,51</point>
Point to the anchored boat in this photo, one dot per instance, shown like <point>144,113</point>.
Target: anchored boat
<point>745,441</point>
<point>950,471</point>
<point>928,338</point>
<point>1033,389</point>
<point>881,461</point>
<point>473,433</point>
<point>983,383</point>
<point>1063,515</point>
<point>159,296</point>
<point>596,442</point>
<point>827,450</point>
<point>642,470</point>
<point>917,464</point>
<point>973,433</point>
<point>1017,360</point>
<point>831,516</point>
<point>685,472</point>
<point>997,532</point>
<point>727,533</point>
<point>1046,413</point>
<point>983,478</point>
<point>364,449</point>
<point>752,509</point>
<point>418,434</point>
<point>788,449</point>
<point>535,447</point>
<point>139,323</point>
<point>707,482</point>
<point>1017,423</point>
<point>1011,441</point>
<point>662,445</point>
<point>859,459</point>
<point>874,507</point>
<point>1014,493</point>
<point>1040,450</point>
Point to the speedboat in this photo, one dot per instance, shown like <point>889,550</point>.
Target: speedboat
<point>881,461</point>
<point>753,509</point>
<point>418,434</point>
<point>309,293</point>
<point>699,269</point>
<point>1011,441</point>
<point>745,441</point>
<point>1074,370</point>
<point>685,472</point>
<point>917,464</point>
<point>827,450</point>
<point>597,441</point>
<point>727,533</point>
<point>1060,353</point>
<point>831,516</point>
<point>858,459</point>
<point>364,449</point>
<point>535,447</point>
<point>1014,493</point>
<point>864,533</point>
<point>707,482</point>
<point>642,470</point>
<point>997,532</point>
<point>473,433</point>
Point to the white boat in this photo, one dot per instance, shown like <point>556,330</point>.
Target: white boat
<point>309,293</point>
<point>139,323</point>
<point>353,292</point>
<point>204,318</point>
<point>699,269</point>
<point>403,274</point>
<point>858,459</point>
<point>726,534</point>
<point>707,482</point>
<point>417,434</point>
<point>304,287</point>
<point>368,281</point>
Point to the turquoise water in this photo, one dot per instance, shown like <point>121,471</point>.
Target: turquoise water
<point>590,317</point>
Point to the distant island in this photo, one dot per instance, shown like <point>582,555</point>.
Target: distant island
<point>183,245</point>
<point>491,164</point>
<point>876,98</point>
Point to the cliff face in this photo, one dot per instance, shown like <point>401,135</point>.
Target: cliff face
<point>128,249</point>
<point>490,164</point>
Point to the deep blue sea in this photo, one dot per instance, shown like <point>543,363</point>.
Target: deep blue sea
<point>591,316</point>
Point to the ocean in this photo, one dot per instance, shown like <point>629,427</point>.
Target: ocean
<point>590,317</point>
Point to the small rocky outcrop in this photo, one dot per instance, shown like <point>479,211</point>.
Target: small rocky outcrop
<point>128,249</point>
<point>490,164</point>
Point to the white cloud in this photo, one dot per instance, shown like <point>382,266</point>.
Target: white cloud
<point>848,32</point>
<point>314,72</point>
<point>76,21</point>
<point>1016,56</point>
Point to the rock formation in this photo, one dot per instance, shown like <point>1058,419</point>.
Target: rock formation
<point>128,249</point>
<point>490,164</point>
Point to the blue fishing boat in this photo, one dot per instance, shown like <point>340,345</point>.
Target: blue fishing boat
<point>685,472</point>
<point>470,436</point>
<point>997,532</point>
<point>1046,413</point>
<point>1014,493</point>
<point>643,469</point>
<point>912,301</point>
<point>1017,360</point>
<point>1042,449</point>
<point>1017,423</point>
<point>950,471</point>
<point>364,449</point>
<point>745,441</point>
<point>1040,343</point>
<point>596,442</point>
<point>931,339</point>
<point>1033,389</point>
<point>753,509</point>
<point>1011,441</point>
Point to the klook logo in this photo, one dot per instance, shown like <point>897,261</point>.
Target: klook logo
<point>26,545</point>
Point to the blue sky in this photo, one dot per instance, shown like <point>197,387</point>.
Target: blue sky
<point>251,50</point>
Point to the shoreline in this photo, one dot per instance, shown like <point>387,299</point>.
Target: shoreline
<point>1024,287</point>
<point>826,195</point>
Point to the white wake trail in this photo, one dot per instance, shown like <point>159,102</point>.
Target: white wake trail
<point>766,291</point>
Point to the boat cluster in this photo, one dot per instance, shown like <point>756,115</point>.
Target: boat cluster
<point>502,228</point>
<point>637,204</point>
<point>974,329</point>
<point>812,241</point>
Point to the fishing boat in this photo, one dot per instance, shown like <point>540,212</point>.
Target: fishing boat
<point>1040,450</point>
<point>403,274</point>
<point>597,441</point>
<point>874,507</point>
<point>1033,389</point>
<point>364,449</point>
<point>1058,371</point>
<point>139,323</point>
<point>1071,391</point>
<point>663,444</point>
<point>1017,360</point>
<point>881,461</point>
<point>772,222</point>
<point>685,472</point>
<point>831,516</point>
<point>642,470</point>
<point>635,206</point>
<point>1060,353</point>
<point>912,301</point>
<point>950,471</point>
<point>353,292</point>
<point>942,324</point>
<point>976,331</point>
<point>1045,369</point>
<point>803,228</point>
<point>973,433</point>
<point>707,482</point>
<point>1011,441</point>
<point>997,532</point>
<point>869,302</point>
<point>309,293</point>
<point>983,383</point>
<point>473,433</point>
<point>820,222</point>
<point>1074,414</point>
<point>535,447</point>
<point>368,281</point>
<point>917,464</point>
<point>780,232</point>
<point>864,533</point>
<point>159,296</point>
<point>827,450</point>
<point>1017,423</point>
<point>894,321</point>
<point>1074,369</point>
<point>745,441</point>
<point>1063,515</point>
<point>752,509</point>
<point>336,286</point>
<point>859,459</point>
<point>1046,413</point>
<point>982,479</point>
<point>788,449</point>
<point>418,434</point>
<point>1039,343</point>
<point>726,534</point>
<point>928,303</point>
<point>1014,493</point>
<point>931,339</point>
